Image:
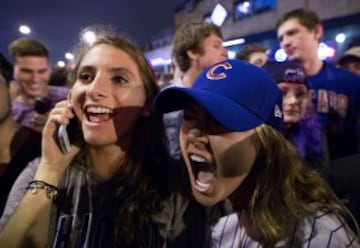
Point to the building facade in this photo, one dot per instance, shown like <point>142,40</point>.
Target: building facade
<point>254,21</point>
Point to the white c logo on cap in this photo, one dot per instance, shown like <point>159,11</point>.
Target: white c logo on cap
<point>211,72</point>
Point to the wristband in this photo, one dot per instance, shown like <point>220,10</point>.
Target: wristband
<point>51,191</point>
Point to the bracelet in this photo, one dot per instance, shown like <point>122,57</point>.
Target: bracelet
<point>51,191</point>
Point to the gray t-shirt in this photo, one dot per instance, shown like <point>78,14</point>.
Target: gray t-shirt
<point>83,214</point>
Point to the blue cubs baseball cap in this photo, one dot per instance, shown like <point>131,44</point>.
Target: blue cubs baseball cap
<point>238,95</point>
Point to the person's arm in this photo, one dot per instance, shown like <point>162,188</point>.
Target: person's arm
<point>28,226</point>
<point>17,191</point>
<point>29,223</point>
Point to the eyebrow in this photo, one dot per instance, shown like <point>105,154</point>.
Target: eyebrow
<point>289,32</point>
<point>25,69</point>
<point>113,70</point>
<point>121,69</point>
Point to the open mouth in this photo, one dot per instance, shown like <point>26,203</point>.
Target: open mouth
<point>97,114</point>
<point>203,172</point>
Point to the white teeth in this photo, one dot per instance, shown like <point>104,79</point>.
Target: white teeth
<point>201,187</point>
<point>99,110</point>
<point>197,158</point>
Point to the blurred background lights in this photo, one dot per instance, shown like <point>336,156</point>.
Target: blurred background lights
<point>89,37</point>
<point>325,51</point>
<point>72,66</point>
<point>340,37</point>
<point>244,7</point>
<point>218,15</point>
<point>233,42</point>
<point>24,29</point>
<point>280,55</point>
<point>231,54</point>
<point>69,56</point>
<point>61,63</point>
<point>160,61</point>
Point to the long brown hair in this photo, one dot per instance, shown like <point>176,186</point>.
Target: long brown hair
<point>285,191</point>
<point>140,182</point>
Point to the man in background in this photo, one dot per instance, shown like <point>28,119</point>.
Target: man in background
<point>32,72</point>
<point>350,60</point>
<point>334,91</point>
<point>254,54</point>
<point>195,47</point>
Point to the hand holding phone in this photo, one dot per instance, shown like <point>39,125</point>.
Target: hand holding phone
<point>64,140</point>
<point>67,135</point>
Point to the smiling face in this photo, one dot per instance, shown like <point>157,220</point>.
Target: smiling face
<point>295,101</point>
<point>108,96</point>
<point>32,74</point>
<point>217,160</point>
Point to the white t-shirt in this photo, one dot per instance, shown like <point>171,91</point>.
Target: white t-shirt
<point>322,230</point>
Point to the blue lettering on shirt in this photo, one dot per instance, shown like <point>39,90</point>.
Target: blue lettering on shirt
<point>90,234</point>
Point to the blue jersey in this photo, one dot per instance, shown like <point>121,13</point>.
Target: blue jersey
<point>336,95</point>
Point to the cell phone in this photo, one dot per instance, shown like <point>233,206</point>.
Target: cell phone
<point>67,134</point>
<point>42,105</point>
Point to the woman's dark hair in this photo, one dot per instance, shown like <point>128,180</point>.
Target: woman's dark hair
<point>140,182</point>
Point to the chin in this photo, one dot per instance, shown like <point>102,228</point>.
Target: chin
<point>295,58</point>
<point>95,141</point>
<point>204,200</point>
<point>291,120</point>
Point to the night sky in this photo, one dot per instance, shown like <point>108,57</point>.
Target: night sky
<point>57,23</point>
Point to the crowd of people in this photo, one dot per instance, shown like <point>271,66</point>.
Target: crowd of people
<point>243,152</point>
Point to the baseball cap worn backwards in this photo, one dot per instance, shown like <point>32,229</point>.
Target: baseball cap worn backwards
<point>238,95</point>
<point>286,72</point>
<point>352,53</point>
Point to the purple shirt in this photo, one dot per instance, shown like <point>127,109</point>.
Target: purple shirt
<point>23,113</point>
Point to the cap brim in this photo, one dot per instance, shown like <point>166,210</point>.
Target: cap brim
<point>225,111</point>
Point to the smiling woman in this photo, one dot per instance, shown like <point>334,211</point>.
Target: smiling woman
<point>114,187</point>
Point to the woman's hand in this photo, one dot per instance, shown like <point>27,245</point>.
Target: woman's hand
<point>53,161</point>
